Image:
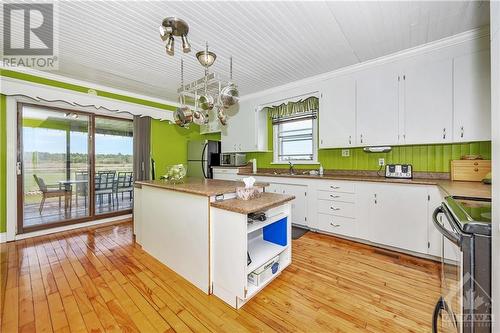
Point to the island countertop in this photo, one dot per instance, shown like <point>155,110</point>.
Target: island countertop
<point>265,201</point>
<point>204,187</point>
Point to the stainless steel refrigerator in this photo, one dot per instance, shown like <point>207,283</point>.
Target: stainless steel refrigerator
<point>201,156</point>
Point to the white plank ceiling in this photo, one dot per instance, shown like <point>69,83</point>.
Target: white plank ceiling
<point>117,44</point>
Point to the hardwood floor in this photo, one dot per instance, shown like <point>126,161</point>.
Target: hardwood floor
<point>98,280</point>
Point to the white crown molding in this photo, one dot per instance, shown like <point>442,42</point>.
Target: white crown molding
<point>417,50</point>
<point>90,85</point>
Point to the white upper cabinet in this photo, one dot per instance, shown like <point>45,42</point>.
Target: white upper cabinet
<point>246,129</point>
<point>428,103</point>
<point>337,113</point>
<point>377,106</point>
<point>472,112</point>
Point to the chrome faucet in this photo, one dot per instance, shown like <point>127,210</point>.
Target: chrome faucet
<point>290,168</point>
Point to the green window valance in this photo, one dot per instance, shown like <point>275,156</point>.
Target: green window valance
<point>309,105</point>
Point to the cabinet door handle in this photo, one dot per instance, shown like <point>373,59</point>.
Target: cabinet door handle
<point>476,169</point>
<point>444,133</point>
<point>334,225</point>
<point>361,137</point>
<point>334,187</point>
<point>461,131</point>
<point>334,196</point>
<point>350,141</point>
<point>334,208</point>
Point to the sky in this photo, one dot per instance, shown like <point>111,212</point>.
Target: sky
<point>54,141</point>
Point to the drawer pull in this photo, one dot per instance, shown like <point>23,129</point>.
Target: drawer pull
<point>334,225</point>
<point>333,208</point>
<point>334,187</point>
<point>475,163</point>
<point>476,169</point>
<point>334,196</point>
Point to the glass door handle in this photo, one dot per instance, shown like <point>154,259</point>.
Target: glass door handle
<point>19,168</point>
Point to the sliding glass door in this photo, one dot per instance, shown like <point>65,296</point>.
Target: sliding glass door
<point>64,176</point>
<point>113,164</point>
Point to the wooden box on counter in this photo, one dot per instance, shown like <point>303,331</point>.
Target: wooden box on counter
<point>470,170</point>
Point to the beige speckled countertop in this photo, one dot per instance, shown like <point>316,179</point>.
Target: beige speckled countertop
<point>265,201</point>
<point>456,188</point>
<point>205,187</point>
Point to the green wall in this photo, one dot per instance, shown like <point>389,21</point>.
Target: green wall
<point>424,158</point>
<point>168,141</point>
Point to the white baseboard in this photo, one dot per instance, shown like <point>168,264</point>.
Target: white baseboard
<point>70,227</point>
<point>3,237</point>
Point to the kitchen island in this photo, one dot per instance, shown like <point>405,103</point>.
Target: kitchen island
<point>199,230</point>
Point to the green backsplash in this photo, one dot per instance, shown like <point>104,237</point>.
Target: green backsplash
<point>424,158</point>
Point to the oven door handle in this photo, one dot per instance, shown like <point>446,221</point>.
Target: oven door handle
<point>454,237</point>
<point>437,310</point>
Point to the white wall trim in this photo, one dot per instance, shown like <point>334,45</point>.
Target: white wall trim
<point>417,50</point>
<point>39,92</point>
<point>72,226</point>
<point>11,191</point>
<point>87,84</point>
<point>3,237</point>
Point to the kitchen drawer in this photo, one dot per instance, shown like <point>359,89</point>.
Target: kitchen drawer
<point>233,171</point>
<point>345,209</point>
<point>337,186</point>
<point>336,196</point>
<point>470,170</point>
<point>337,225</point>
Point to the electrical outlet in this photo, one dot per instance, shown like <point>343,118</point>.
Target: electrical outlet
<point>346,152</point>
<point>381,161</point>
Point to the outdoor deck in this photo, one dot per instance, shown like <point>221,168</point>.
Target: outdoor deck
<point>52,213</point>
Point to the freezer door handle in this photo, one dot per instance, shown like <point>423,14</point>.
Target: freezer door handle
<point>453,237</point>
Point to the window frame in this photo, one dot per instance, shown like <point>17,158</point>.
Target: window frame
<point>277,148</point>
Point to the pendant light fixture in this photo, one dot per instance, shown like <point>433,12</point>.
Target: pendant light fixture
<point>206,58</point>
<point>174,27</point>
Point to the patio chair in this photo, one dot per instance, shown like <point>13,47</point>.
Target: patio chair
<point>53,191</point>
<point>104,184</point>
<point>81,188</point>
<point>124,184</point>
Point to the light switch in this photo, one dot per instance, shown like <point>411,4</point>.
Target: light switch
<point>346,153</point>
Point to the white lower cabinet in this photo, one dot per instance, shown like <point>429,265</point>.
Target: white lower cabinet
<point>299,204</point>
<point>396,215</point>
<point>388,214</point>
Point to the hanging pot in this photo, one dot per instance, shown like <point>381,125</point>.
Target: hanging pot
<point>183,116</point>
<point>199,118</point>
<point>206,102</point>
<point>222,116</point>
<point>229,95</point>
